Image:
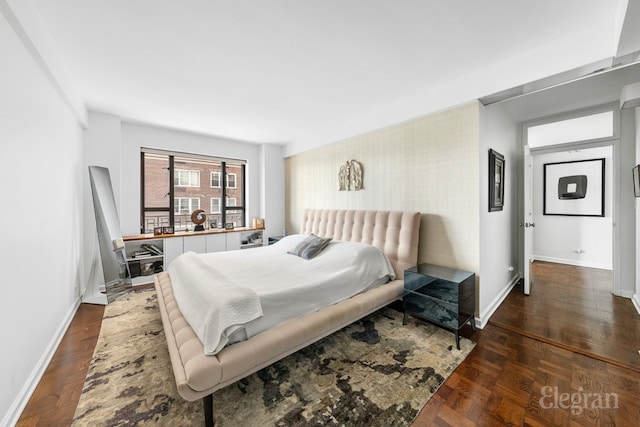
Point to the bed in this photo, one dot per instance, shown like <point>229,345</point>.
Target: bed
<point>198,375</point>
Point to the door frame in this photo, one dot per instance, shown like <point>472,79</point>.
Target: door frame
<point>614,142</point>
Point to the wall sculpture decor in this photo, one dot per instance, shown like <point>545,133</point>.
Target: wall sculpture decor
<point>574,188</point>
<point>350,176</point>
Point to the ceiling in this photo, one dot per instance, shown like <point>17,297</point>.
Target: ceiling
<point>309,73</point>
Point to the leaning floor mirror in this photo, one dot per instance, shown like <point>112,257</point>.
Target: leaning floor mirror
<point>112,253</point>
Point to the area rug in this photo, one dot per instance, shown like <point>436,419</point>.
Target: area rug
<point>376,372</point>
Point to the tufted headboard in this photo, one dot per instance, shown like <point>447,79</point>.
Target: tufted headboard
<point>394,233</point>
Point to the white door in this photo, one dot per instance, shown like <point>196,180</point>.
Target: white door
<point>528,223</point>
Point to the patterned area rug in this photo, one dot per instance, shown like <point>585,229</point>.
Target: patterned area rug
<point>375,372</point>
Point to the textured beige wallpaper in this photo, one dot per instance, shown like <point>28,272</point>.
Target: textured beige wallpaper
<point>429,164</point>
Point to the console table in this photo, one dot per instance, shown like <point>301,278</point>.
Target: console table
<point>440,295</point>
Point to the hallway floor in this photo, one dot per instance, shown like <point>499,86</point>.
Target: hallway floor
<point>574,308</point>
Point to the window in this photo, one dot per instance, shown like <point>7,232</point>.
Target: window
<point>186,178</point>
<point>231,180</point>
<point>171,189</point>
<point>215,179</point>
<point>185,205</point>
<point>582,128</point>
<point>215,205</point>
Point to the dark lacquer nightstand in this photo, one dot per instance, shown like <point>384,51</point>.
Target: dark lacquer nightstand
<point>440,295</point>
<point>274,239</point>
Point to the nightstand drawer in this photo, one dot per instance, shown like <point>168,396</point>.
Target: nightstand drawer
<point>440,289</point>
<point>438,311</point>
<point>414,281</point>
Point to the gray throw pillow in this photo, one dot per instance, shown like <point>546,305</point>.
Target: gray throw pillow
<point>311,246</point>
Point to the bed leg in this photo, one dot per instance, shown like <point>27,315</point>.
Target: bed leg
<point>207,401</point>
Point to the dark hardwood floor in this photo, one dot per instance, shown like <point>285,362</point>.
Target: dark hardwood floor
<point>573,307</point>
<point>508,379</point>
<point>54,401</point>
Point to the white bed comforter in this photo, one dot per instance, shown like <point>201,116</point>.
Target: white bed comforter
<point>231,296</point>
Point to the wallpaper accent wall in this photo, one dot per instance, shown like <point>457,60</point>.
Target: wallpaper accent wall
<point>429,164</point>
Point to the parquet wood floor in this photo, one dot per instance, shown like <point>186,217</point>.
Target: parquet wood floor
<point>54,401</point>
<point>508,379</point>
<point>513,380</point>
<point>574,307</point>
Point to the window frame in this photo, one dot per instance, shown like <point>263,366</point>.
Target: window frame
<point>225,211</point>
<point>235,180</point>
<point>219,199</point>
<point>219,175</point>
<point>191,207</point>
<point>191,173</point>
<point>569,116</point>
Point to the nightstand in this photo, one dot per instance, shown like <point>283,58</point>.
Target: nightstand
<point>274,239</point>
<point>440,295</point>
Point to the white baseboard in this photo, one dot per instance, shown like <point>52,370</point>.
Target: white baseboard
<point>482,321</point>
<point>97,298</point>
<point>13,414</point>
<point>623,293</point>
<point>574,262</point>
<point>636,302</point>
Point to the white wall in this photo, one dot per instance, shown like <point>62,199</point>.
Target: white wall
<point>558,238</point>
<point>625,204</point>
<point>272,189</point>
<point>102,148</point>
<point>636,294</point>
<point>27,25</point>
<point>116,144</point>
<point>40,222</point>
<point>498,229</point>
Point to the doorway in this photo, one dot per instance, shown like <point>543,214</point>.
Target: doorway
<point>569,173</point>
<point>551,106</point>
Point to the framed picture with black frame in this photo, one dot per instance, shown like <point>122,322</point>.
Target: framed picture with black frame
<point>574,188</point>
<point>496,181</point>
<point>636,181</point>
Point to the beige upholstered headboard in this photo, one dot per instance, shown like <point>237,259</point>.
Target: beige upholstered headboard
<point>395,233</point>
